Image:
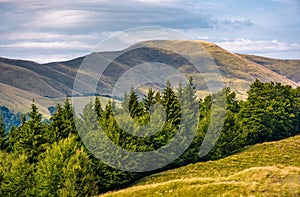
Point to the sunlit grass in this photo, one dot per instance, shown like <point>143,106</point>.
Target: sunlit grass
<point>268,169</point>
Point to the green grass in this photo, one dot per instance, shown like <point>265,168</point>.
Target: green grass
<point>269,169</point>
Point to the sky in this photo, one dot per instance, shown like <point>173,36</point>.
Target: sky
<point>62,30</point>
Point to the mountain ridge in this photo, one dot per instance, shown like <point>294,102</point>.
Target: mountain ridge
<point>55,79</point>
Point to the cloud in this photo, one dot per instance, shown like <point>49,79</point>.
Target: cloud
<point>60,18</point>
<point>49,45</point>
<point>46,36</point>
<point>98,16</point>
<point>156,1</point>
<point>286,1</point>
<point>243,45</point>
<point>64,26</point>
<point>236,23</point>
<point>42,59</point>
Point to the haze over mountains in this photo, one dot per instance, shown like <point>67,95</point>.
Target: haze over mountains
<point>21,81</point>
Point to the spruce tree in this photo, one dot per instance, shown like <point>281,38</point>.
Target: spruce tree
<point>56,127</point>
<point>64,170</point>
<point>108,112</point>
<point>134,106</point>
<point>32,137</point>
<point>62,122</point>
<point>149,100</point>
<point>171,104</point>
<point>98,108</point>
<point>3,135</point>
<point>68,116</point>
<point>15,175</point>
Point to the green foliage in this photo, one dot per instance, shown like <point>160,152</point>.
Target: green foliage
<point>62,123</point>
<point>64,170</point>
<point>15,175</point>
<point>3,135</point>
<point>268,169</point>
<point>149,100</point>
<point>171,104</point>
<point>134,107</point>
<point>9,117</point>
<point>32,136</point>
<point>230,138</point>
<point>98,108</point>
<point>270,113</point>
<point>52,161</point>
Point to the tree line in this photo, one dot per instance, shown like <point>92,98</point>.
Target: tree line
<point>48,158</point>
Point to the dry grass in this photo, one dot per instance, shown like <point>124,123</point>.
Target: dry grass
<point>269,169</point>
<point>22,81</point>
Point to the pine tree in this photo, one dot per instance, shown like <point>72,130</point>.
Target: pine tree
<point>158,98</point>
<point>98,108</point>
<point>68,116</point>
<point>171,104</point>
<point>149,100</point>
<point>64,170</point>
<point>125,102</point>
<point>32,137</point>
<point>62,122</point>
<point>134,106</point>
<point>15,175</point>
<point>3,136</point>
<point>56,127</point>
<point>108,112</point>
<point>190,110</point>
<point>231,101</point>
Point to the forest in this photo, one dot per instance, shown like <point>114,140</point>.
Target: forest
<point>49,158</point>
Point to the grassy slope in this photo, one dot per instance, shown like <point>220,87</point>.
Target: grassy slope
<point>269,169</point>
<point>237,71</point>
<point>288,68</point>
<point>20,100</point>
<point>36,81</point>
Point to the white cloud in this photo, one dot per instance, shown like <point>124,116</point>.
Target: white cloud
<point>49,45</point>
<point>286,1</point>
<point>42,59</point>
<point>202,37</point>
<point>155,1</point>
<point>243,45</point>
<point>30,25</point>
<point>60,18</point>
<point>43,36</point>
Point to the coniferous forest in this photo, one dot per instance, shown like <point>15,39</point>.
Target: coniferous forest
<point>48,158</point>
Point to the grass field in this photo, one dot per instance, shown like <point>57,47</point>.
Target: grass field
<point>269,169</point>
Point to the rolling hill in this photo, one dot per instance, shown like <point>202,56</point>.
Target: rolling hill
<point>268,169</point>
<point>21,81</point>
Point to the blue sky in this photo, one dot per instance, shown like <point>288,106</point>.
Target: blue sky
<point>62,30</point>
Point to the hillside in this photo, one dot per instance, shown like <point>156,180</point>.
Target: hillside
<point>288,68</point>
<point>55,80</point>
<point>268,169</point>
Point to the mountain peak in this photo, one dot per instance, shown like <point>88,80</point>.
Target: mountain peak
<point>55,80</point>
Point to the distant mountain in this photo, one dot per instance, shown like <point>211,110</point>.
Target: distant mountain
<point>21,81</point>
<point>288,68</point>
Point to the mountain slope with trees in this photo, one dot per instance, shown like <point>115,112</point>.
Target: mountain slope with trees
<point>42,82</point>
<point>29,152</point>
